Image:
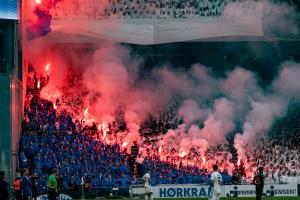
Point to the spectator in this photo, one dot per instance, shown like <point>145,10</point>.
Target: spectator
<point>3,187</point>
<point>35,183</point>
<point>52,184</point>
<point>235,178</point>
<point>26,185</point>
<point>17,188</point>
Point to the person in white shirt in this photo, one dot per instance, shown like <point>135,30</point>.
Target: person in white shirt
<point>284,178</point>
<point>147,184</point>
<point>215,184</point>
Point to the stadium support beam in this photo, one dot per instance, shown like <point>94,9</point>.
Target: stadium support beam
<point>10,98</point>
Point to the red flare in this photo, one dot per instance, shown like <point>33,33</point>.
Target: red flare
<point>124,144</point>
<point>182,154</point>
<point>47,67</point>
<point>86,112</point>
<point>104,129</point>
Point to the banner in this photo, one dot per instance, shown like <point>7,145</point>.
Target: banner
<point>175,191</point>
<point>154,31</point>
<point>197,191</point>
<point>269,190</point>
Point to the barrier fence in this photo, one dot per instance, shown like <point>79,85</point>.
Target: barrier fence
<point>177,191</point>
<point>197,191</point>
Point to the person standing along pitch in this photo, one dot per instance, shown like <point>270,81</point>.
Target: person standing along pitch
<point>146,179</point>
<point>52,184</point>
<point>215,184</point>
<point>3,187</point>
<point>258,181</point>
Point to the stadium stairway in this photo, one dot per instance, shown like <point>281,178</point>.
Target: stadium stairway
<point>135,171</point>
<point>233,150</point>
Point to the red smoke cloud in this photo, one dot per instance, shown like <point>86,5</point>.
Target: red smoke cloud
<point>105,80</point>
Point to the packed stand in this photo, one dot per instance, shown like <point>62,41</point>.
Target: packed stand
<point>159,9</point>
<point>167,119</point>
<point>135,9</point>
<point>172,168</point>
<point>51,138</point>
<point>84,154</point>
<point>280,157</point>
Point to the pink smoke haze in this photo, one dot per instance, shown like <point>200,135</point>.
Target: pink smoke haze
<point>103,78</point>
<point>108,79</point>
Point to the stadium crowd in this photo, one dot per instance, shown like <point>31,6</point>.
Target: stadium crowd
<point>163,9</point>
<point>279,156</point>
<point>85,154</point>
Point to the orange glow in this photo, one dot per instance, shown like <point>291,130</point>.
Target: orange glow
<point>159,150</point>
<point>124,144</point>
<point>104,135</point>
<point>104,129</point>
<point>86,112</point>
<point>54,106</point>
<point>47,67</point>
<point>204,161</point>
<point>38,1</point>
<point>182,154</point>
<point>38,85</point>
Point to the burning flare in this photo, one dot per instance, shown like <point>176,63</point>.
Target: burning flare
<point>104,129</point>
<point>182,154</point>
<point>124,144</point>
<point>204,161</point>
<point>47,67</point>
<point>86,111</point>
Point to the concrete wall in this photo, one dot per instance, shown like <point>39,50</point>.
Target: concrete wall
<point>10,98</point>
<point>5,125</point>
